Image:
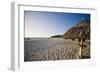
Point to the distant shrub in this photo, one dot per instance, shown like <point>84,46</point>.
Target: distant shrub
<point>56,36</point>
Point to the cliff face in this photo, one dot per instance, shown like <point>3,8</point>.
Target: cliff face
<point>75,31</point>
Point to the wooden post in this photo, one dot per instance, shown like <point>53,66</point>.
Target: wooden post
<point>81,47</point>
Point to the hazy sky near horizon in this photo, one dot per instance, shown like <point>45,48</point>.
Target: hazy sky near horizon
<point>46,24</point>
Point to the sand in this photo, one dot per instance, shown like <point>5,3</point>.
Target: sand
<point>44,49</point>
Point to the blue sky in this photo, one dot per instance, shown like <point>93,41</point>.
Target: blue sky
<point>46,24</point>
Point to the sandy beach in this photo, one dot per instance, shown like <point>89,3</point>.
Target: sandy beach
<point>42,49</point>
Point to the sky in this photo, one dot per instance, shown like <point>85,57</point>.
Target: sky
<point>47,24</point>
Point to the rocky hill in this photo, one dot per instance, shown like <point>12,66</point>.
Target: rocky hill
<point>75,31</point>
